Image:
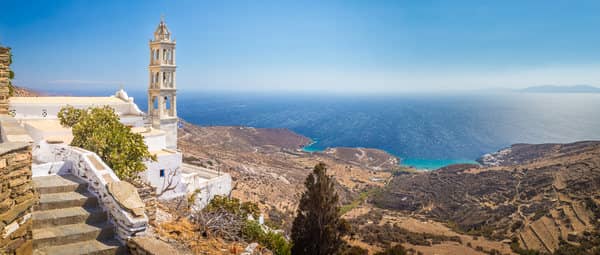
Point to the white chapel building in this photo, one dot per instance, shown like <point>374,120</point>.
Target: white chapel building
<point>37,116</point>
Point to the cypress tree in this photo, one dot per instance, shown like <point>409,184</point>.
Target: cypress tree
<point>318,228</point>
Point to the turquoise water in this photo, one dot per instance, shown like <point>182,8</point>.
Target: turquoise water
<point>423,164</point>
<point>432,164</point>
<point>313,147</point>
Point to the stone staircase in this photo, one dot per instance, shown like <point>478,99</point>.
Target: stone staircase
<point>68,220</point>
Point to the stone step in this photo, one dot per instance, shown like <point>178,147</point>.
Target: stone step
<point>68,234</point>
<point>92,247</point>
<point>65,200</point>
<point>58,184</point>
<point>66,216</point>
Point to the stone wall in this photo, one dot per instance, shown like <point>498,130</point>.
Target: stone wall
<point>17,197</point>
<point>148,196</point>
<point>4,78</point>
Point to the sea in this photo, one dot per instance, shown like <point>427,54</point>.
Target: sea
<point>425,130</point>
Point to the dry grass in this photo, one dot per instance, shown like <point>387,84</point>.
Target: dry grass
<point>183,232</point>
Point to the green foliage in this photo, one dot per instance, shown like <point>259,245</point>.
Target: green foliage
<point>11,89</point>
<point>69,115</point>
<point>11,75</point>
<point>354,250</point>
<point>253,232</point>
<point>358,201</point>
<point>394,250</point>
<point>99,130</point>
<point>318,228</point>
<point>233,206</point>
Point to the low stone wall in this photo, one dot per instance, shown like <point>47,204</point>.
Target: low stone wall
<point>148,196</point>
<point>5,77</point>
<point>17,197</point>
<point>119,198</point>
<point>149,246</point>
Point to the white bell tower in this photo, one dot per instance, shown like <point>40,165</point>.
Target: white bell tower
<point>162,89</point>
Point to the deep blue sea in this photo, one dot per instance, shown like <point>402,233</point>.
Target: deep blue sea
<point>424,130</point>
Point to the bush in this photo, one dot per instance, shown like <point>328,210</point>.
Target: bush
<point>395,250</point>
<point>354,250</point>
<point>234,206</point>
<point>253,232</point>
<point>99,130</point>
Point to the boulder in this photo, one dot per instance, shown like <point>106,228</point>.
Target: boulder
<point>127,197</point>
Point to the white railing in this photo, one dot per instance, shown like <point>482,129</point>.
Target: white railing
<point>90,168</point>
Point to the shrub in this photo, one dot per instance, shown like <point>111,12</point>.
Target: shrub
<point>354,250</point>
<point>395,250</point>
<point>99,130</point>
<point>253,232</point>
<point>234,206</point>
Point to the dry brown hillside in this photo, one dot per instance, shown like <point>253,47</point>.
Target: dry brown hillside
<point>540,196</point>
<point>269,167</point>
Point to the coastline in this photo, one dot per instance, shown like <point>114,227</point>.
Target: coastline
<point>417,163</point>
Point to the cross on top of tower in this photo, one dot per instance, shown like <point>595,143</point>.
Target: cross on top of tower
<point>162,32</point>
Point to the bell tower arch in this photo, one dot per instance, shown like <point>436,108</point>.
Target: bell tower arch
<point>162,88</point>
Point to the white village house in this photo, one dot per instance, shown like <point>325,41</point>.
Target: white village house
<point>159,126</point>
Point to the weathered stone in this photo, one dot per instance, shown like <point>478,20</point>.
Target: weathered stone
<point>28,186</point>
<point>23,229</point>
<point>9,229</point>
<point>24,171</point>
<point>26,196</point>
<point>151,246</point>
<point>14,244</point>
<point>15,211</point>
<point>2,163</point>
<point>22,156</point>
<point>4,194</point>
<point>18,181</point>
<point>25,249</point>
<point>6,204</point>
<point>126,195</point>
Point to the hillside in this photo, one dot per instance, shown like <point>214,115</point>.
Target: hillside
<point>269,167</point>
<point>533,195</point>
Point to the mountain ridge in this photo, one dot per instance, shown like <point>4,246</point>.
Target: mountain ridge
<point>561,89</point>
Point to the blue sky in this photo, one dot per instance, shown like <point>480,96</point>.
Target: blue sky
<point>339,46</point>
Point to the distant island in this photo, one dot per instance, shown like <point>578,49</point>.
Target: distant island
<point>562,89</point>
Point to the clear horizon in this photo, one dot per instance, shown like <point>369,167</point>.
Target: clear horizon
<point>335,46</point>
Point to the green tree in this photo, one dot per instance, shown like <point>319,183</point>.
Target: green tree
<point>11,76</point>
<point>99,130</point>
<point>318,228</point>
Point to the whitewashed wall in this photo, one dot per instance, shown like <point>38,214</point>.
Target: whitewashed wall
<point>155,142</point>
<point>36,111</point>
<point>170,163</point>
